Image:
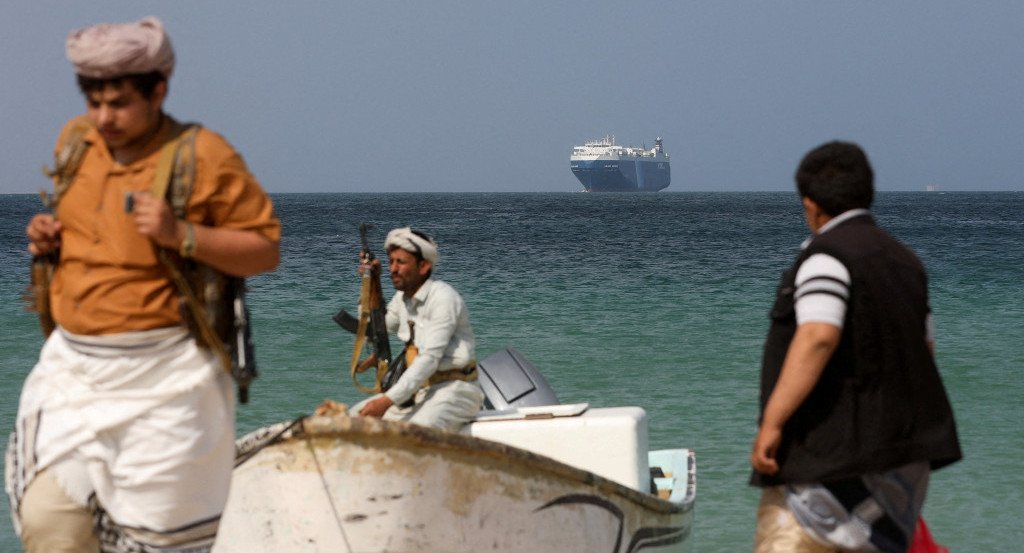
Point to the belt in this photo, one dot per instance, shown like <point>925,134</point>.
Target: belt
<point>466,374</point>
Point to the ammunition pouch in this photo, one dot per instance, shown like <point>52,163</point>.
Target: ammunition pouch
<point>210,288</point>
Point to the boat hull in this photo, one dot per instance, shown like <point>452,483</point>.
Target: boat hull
<point>622,175</point>
<point>345,484</point>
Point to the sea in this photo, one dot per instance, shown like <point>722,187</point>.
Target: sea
<point>651,300</point>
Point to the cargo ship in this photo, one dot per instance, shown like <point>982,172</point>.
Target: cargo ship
<point>603,166</point>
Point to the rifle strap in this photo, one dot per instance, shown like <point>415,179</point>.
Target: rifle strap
<point>364,320</point>
<point>176,151</point>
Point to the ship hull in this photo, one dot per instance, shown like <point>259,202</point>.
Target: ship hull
<point>622,175</point>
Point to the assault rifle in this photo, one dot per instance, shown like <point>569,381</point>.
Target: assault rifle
<point>370,325</point>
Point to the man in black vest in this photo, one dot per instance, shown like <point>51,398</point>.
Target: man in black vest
<point>854,415</point>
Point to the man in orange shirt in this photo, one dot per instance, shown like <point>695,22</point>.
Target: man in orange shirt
<point>126,420</point>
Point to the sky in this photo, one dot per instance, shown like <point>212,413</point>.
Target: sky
<point>491,96</point>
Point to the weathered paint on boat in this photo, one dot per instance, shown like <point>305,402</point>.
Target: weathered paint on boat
<point>341,484</point>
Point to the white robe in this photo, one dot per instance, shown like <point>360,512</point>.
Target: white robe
<point>140,422</point>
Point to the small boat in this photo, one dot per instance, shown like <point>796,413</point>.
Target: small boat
<point>521,478</point>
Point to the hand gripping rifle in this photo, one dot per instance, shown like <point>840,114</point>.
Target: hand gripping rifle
<point>370,325</point>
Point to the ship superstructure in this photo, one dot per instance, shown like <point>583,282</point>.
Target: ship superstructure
<point>603,166</point>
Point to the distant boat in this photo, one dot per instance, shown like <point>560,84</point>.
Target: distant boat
<point>603,166</point>
<point>931,188</point>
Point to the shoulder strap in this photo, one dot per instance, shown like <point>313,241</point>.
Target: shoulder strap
<point>184,170</point>
<point>68,159</point>
<point>175,169</point>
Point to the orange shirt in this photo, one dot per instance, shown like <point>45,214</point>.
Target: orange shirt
<point>110,279</point>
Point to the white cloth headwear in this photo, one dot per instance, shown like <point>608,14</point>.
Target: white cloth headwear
<point>111,50</point>
<point>413,242</point>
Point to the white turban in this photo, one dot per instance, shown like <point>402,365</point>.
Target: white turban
<point>109,50</point>
<point>413,242</point>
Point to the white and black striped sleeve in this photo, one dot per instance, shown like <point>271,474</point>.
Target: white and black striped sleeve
<point>822,290</point>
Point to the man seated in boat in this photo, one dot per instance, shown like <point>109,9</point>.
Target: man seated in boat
<point>438,387</point>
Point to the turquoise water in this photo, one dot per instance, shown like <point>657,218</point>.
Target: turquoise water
<point>654,300</point>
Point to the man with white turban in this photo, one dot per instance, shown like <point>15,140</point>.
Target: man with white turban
<point>439,387</point>
<point>124,437</point>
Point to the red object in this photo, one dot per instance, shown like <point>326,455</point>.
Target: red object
<point>923,541</point>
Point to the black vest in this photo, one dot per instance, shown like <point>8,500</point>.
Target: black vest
<point>880,402</point>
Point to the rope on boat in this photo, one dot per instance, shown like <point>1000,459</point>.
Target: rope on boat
<point>252,443</point>
<point>327,492</point>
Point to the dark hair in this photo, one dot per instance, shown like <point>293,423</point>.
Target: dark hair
<point>837,176</point>
<point>145,83</point>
